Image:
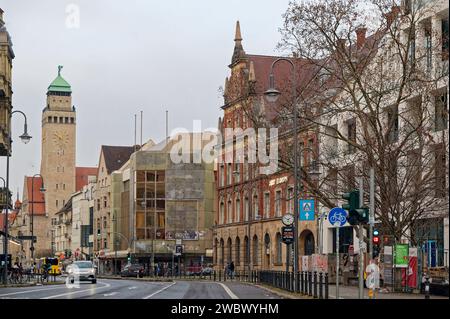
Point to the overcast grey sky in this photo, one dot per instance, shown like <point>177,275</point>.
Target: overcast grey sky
<point>128,56</point>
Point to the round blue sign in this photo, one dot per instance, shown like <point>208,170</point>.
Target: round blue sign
<point>338,216</point>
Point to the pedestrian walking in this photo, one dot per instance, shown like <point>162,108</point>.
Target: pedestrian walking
<point>232,269</point>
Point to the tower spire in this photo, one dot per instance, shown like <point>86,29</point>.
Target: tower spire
<point>59,69</point>
<point>238,52</point>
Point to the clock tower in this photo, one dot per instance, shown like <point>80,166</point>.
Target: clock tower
<point>58,145</point>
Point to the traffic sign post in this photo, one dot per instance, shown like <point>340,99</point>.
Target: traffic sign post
<point>306,209</point>
<point>337,218</point>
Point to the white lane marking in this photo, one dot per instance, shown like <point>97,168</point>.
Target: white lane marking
<point>134,287</point>
<point>160,290</point>
<point>228,291</point>
<point>111,294</point>
<point>76,292</point>
<point>28,291</point>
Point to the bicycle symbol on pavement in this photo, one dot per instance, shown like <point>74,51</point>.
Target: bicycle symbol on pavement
<point>338,216</point>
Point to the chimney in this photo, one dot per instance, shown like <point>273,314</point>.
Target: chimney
<point>360,37</point>
<point>390,16</point>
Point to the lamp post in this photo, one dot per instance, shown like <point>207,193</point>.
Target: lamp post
<point>42,189</point>
<point>25,138</point>
<point>272,95</point>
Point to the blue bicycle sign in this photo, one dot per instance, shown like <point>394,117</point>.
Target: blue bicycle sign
<point>338,216</point>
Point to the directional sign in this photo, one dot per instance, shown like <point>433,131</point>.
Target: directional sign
<point>287,234</point>
<point>337,216</point>
<point>306,209</point>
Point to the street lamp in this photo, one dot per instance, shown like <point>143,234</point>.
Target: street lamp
<point>25,137</point>
<point>42,190</point>
<point>272,95</point>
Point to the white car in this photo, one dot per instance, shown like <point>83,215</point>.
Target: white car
<point>82,271</point>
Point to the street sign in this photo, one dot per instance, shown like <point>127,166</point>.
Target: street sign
<point>306,209</point>
<point>178,250</point>
<point>337,216</point>
<point>373,276</point>
<point>287,234</point>
<point>27,238</point>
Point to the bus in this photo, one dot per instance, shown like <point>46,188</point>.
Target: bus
<point>55,268</point>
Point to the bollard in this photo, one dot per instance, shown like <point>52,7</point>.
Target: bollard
<point>320,286</point>
<point>310,283</point>
<point>315,284</point>
<point>427,287</point>
<point>214,275</point>
<point>326,285</point>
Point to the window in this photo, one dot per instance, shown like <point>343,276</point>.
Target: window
<point>278,203</point>
<point>351,135</point>
<point>105,202</point>
<point>444,39</point>
<point>229,173</point>
<point>229,212</point>
<point>266,204</point>
<point>255,207</point>
<point>332,181</point>
<point>104,222</point>
<point>238,210</point>
<point>64,186</point>
<point>440,112</point>
<point>55,119</point>
<point>392,114</point>
<point>332,145</point>
<point>412,46</point>
<point>105,243</point>
<point>72,120</point>
<point>440,171</point>
<point>279,243</point>
<point>247,208</point>
<point>49,119</point>
<point>237,173</point>
<point>222,213</point>
<point>221,175</point>
<point>428,49</point>
<point>56,203</point>
<point>255,250</point>
<point>238,250</point>
<point>56,186</point>
<point>348,178</point>
<point>64,202</point>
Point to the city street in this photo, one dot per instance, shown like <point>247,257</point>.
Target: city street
<point>134,289</point>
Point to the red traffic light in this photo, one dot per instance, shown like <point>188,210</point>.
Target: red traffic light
<point>376,240</point>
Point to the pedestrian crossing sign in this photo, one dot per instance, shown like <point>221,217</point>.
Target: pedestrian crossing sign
<point>306,209</point>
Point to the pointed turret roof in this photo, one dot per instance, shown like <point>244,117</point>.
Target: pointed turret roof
<point>238,52</point>
<point>59,84</point>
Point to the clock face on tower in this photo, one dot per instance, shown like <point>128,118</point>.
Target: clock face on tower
<point>60,139</point>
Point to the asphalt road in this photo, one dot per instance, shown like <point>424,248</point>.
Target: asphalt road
<point>133,289</point>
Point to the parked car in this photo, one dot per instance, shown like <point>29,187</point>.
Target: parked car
<point>132,270</point>
<point>82,270</point>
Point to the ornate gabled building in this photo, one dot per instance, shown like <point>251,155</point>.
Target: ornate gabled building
<point>249,204</point>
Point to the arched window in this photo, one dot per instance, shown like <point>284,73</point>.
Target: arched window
<point>222,252</point>
<point>237,250</point>
<point>255,250</point>
<point>246,251</point>
<point>279,243</point>
<point>238,210</point>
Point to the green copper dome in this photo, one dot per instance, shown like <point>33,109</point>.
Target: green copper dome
<point>59,84</point>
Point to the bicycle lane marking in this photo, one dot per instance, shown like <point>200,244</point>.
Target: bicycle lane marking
<point>77,292</point>
<point>159,291</point>
<point>28,291</point>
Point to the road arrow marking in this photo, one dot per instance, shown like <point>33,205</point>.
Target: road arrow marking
<point>132,288</point>
<point>111,294</point>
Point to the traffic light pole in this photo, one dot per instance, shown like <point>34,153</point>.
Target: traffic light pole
<point>371,210</point>
<point>361,244</point>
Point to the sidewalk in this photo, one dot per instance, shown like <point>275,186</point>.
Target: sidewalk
<point>351,292</point>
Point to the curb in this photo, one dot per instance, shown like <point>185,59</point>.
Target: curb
<point>135,279</point>
<point>279,293</point>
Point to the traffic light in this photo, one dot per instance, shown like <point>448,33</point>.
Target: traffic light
<point>356,214</point>
<point>129,257</point>
<point>376,243</point>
